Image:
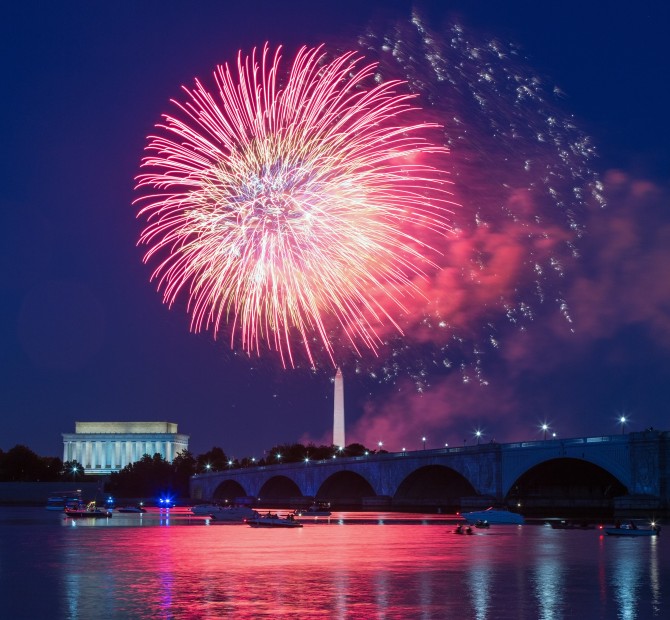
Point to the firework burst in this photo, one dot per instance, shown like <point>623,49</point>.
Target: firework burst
<point>523,174</point>
<point>293,207</point>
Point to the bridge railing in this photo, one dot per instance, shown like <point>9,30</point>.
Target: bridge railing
<point>434,452</point>
<point>567,442</point>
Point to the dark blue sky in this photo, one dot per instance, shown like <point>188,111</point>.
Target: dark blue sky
<point>85,336</point>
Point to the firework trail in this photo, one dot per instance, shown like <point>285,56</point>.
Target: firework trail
<point>294,206</point>
<point>522,175</point>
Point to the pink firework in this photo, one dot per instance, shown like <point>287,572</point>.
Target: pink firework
<point>292,207</point>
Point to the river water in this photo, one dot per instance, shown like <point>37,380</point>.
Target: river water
<point>172,565</point>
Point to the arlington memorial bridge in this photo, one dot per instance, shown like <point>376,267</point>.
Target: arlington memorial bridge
<point>615,472</point>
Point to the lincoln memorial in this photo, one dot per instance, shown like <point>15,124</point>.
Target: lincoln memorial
<point>105,447</point>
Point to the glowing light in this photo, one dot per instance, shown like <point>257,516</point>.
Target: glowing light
<point>544,427</point>
<point>623,420</point>
<point>293,206</point>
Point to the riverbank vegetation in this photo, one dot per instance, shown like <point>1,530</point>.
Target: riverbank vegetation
<point>154,476</point>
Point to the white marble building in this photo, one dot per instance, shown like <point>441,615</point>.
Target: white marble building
<point>105,447</point>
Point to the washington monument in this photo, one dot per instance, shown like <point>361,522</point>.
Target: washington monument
<point>338,411</point>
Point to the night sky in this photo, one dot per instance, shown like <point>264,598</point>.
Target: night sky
<point>84,335</point>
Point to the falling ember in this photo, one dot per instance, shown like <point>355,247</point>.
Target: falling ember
<point>293,206</point>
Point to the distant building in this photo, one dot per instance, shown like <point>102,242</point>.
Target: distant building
<point>338,411</point>
<point>105,447</point>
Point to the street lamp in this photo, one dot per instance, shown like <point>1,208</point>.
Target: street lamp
<point>478,434</point>
<point>622,421</point>
<point>424,442</point>
<point>545,428</point>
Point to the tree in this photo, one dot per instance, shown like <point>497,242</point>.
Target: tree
<point>148,477</point>
<point>184,466</point>
<point>72,470</point>
<point>214,460</point>
<point>21,464</point>
<point>288,453</point>
<point>53,468</point>
<point>355,449</point>
<point>321,453</point>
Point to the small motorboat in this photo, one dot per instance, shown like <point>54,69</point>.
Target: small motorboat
<point>205,510</point>
<point>234,514</point>
<point>494,515</point>
<point>230,512</point>
<point>482,524</point>
<point>273,520</point>
<point>320,509</point>
<point>562,524</point>
<point>88,511</point>
<point>631,529</point>
<point>463,530</point>
<point>130,509</point>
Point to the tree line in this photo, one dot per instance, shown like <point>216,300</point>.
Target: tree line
<point>154,476</point>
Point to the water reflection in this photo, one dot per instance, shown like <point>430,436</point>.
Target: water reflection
<point>177,567</point>
<point>626,576</point>
<point>549,579</point>
<point>480,581</point>
<point>654,575</point>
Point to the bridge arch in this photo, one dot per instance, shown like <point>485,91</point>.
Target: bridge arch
<point>229,490</point>
<point>609,453</point>
<point>279,488</point>
<point>567,483</point>
<point>345,488</point>
<point>433,485</point>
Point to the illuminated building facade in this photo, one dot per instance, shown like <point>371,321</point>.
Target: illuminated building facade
<point>105,447</point>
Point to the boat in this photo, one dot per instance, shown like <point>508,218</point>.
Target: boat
<point>631,529</point>
<point>234,514</point>
<point>273,520</point>
<point>320,509</point>
<point>463,530</point>
<point>562,524</point>
<point>64,499</point>
<point>494,515</point>
<point>482,524</point>
<point>87,511</point>
<point>130,509</point>
<point>206,510</point>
